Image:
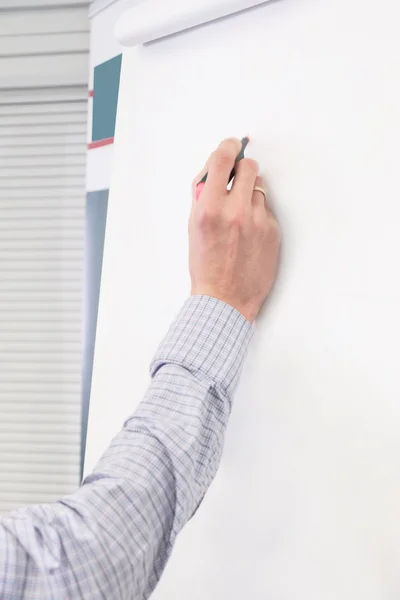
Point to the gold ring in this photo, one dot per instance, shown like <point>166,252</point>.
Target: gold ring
<point>260,189</point>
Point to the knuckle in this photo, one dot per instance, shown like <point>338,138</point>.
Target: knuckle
<point>207,217</point>
<point>224,156</point>
<point>250,166</point>
<point>235,222</point>
<point>237,219</point>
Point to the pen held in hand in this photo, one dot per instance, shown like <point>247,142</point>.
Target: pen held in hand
<point>240,156</point>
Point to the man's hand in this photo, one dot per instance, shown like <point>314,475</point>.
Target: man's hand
<point>234,238</point>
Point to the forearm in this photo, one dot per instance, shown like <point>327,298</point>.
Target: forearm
<point>115,535</point>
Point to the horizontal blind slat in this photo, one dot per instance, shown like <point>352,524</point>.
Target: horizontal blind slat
<point>44,108</point>
<point>49,215</point>
<point>36,395</point>
<point>49,202</point>
<point>39,408</point>
<point>44,139</point>
<point>42,172</point>
<point>31,477</point>
<point>32,464</point>
<point>40,437</point>
<point>40,119</point>
<point>40,306</point>
<point>66,93</point>
<point>17,231</point>
<point>60,367</point>
<point>49,492</point>
<point>40,193</point>
<point>51,43</point>
<point>42,161</point>
<point>23,498</point>
<point>45,21</point>
<point>21,152</point>
<point>37,427</point>
<point>53,128</point>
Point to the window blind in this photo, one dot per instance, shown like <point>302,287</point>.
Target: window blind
<point>42,206</point>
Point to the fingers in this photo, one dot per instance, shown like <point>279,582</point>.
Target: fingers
<point>262,213</point>
<point>220,165</point>
<point>246,172</point>
<point>259,200</point>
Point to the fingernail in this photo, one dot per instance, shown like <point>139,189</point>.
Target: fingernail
<point>199,189</point>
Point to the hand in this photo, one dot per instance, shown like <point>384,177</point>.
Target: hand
<point>234,239</point>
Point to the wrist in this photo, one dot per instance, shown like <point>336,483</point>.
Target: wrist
<point>209,338</point>
<point>248,311</point>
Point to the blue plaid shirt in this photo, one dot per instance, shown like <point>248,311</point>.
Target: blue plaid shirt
<point>112,538</point>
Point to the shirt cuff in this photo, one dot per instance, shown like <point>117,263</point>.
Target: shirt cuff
<point>210,339</point>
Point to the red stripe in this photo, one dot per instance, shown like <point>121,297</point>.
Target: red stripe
<point>91,93</point>
<point>100,143</point>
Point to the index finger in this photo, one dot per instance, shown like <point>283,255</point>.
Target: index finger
<point>220,165</point>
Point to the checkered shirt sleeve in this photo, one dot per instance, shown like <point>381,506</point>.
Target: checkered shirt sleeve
<point>112,538</point>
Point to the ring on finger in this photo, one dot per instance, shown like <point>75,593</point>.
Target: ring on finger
<point>260,189</point>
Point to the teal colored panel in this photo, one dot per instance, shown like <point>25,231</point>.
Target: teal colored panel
<point>105,98</point>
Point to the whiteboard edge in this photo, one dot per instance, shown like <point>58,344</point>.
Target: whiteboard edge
<point>151,20</point>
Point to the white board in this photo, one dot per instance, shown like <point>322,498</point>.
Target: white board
<point>306,504</point>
